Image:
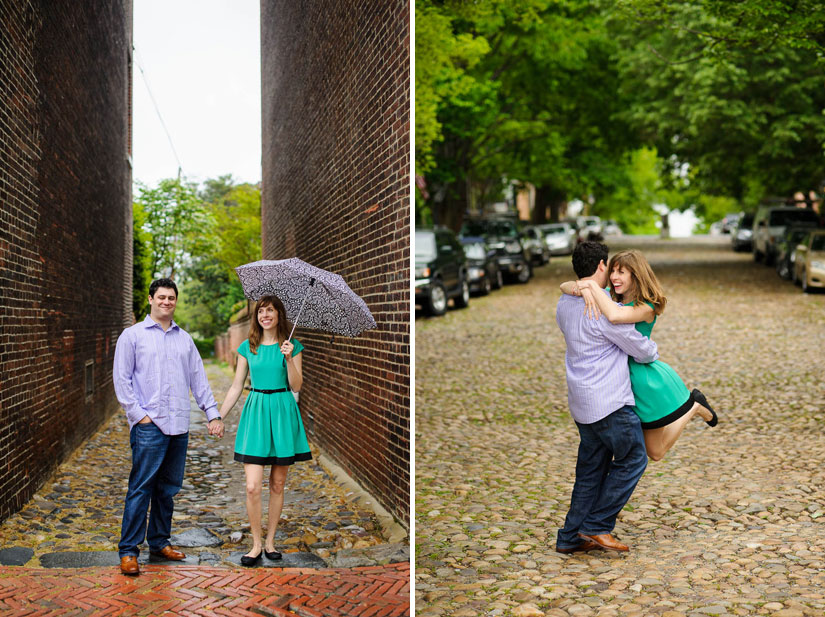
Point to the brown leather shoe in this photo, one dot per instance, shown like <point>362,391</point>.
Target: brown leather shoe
<point>167,552</point>
<point>607,542</point>
<point>129,565</point>
<point>584,545</point>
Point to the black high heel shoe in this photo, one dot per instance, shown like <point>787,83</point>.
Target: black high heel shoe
<point>700,398</point>
<point>248,561</point>
<point>272,555</point>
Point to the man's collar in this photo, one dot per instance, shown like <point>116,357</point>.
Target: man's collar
<point>148,322</point>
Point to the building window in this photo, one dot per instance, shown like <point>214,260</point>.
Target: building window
<point>90,379</point>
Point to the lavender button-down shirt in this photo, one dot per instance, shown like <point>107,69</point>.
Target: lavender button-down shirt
<point>154,372</point>
<point>598,380</point>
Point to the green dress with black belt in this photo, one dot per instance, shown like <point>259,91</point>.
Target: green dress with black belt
<point>270,431</point>
<point>661,395</point>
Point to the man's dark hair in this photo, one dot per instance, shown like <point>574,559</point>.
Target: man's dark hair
<point>168,283</point>
<point>586,258</point>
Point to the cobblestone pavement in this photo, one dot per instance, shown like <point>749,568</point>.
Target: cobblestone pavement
<point>74,520</point>
<point>729,523</point>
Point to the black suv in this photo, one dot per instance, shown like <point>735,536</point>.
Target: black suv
<point>502,235</point>
<point>440,270</point>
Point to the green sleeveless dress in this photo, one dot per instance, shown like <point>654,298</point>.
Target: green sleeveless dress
<point>661,395</point>
<point>270,431</point>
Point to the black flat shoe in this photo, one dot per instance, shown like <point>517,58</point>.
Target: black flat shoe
<point>248,561</point>
<point>700,398</point>
<point>273,555</point>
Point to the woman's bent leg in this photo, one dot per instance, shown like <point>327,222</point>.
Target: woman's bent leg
<point>277,482</point>
<point>254,480</point>
<point>659,440</point>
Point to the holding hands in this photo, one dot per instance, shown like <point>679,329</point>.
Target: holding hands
<point>216,427</point>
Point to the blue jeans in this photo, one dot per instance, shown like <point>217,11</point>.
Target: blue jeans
<point>612,459</point>
<point>158,462</point>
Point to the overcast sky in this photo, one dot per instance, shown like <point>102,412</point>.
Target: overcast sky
<point>201,59</point>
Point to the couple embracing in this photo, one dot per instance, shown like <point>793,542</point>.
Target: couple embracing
<point>627,404</point>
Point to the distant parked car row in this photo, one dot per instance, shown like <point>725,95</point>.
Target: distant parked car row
<point>488,253</point>
<point>791,239</point>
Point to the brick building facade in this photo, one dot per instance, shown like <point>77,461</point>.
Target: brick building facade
<point>65,228</point>
<point>336,180</point>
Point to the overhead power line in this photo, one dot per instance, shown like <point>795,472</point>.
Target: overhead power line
<point>157,109</point>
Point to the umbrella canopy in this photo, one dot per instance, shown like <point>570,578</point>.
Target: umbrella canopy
<point>319,298</point>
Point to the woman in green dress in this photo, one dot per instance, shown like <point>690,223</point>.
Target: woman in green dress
<point>663,402</point>
<point>270,431</point>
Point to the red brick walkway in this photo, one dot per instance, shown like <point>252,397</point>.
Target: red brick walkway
<point>380,591</point>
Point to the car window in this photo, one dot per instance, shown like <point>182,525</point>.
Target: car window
<point>555,230</point>
<point>475,250</point>
<point>425,245</point>
<point>785,217</point>
<point>818,242</point>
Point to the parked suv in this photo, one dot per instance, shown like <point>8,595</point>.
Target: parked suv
<point>741,238</point>
<point>769,224</point>
<point>440,270</point>
<point>533,240</point>
<point>503,237</point>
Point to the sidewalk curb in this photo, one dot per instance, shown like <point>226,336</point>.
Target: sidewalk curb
<point>391,529</point>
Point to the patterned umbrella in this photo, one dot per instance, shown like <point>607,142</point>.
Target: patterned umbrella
<point>320,299</point>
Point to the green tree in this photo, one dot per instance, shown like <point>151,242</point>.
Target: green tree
<point>177,223</point>
<point>141,263</point>
<point>213,290</point>
<point>722,90</point>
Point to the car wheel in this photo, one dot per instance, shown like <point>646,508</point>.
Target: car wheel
<point>437,302</point>
<point>782,269</point>
<point>463,299</point>
<point>486,286</point>
<point>498,282</point>
<point>804,278</point>
<point>525,274</point>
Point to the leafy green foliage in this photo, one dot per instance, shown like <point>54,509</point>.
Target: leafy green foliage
<point>141,263</point>
<point>198,238</point>
<point>722,89</point>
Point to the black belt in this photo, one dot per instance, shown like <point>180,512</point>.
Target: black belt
<point>270,391</point>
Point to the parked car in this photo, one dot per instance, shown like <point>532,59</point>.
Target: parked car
<point>503,237</point>
<point>769,224</point>
<point>741,238</point>
<point>786,249</point>
<point>533,240</point>
<point>483,273</point>
<point>440,271</point>
<point>809,267</point>
<point>729,222</point>
<point>611,228</point>
<point>590,228</point>
<point>560,238</point>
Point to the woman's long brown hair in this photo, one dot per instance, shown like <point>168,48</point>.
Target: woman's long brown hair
<point>256,332</point>
<point>646,287</point>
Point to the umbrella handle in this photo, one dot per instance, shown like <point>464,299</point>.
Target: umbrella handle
<point>301,310</point>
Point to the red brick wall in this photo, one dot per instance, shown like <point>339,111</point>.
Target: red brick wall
<point>336,143</point>
<point>65,228</point>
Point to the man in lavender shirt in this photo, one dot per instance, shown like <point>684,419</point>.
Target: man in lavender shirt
<point>156,365</point>
<point>612,455</point>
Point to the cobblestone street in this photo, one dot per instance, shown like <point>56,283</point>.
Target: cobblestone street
<point>337,559</point>
<point>731,522</point>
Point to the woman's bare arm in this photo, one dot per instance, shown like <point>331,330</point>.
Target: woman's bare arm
<point>614,313</point>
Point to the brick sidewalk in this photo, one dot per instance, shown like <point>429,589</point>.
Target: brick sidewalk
<point>379,591</point>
